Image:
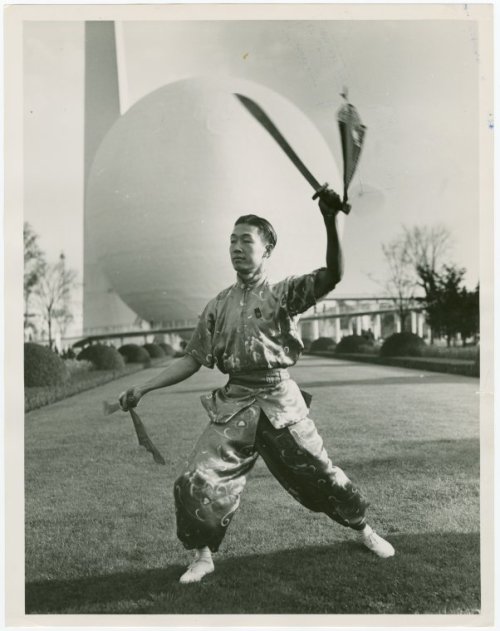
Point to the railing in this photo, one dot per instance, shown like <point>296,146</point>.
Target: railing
<point>90,339</point>
<point>327,315</point>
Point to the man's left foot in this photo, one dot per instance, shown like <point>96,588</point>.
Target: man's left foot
<point>196,570</point>
<point>376,544</point>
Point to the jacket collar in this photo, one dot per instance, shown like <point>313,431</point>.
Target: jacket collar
<point>255,281</point>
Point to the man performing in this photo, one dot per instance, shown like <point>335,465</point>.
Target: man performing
<point>249,331</point>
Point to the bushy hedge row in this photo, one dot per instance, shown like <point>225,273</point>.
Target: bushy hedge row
<point>451,352</point>
<point>348,344</point>
<point>397,345</point>
<point>134,354</point>
<point>402,345</point>
<point>43,367</point>
<point>353,344</point>
<point>155,351</point>
<point>102,357</point>
<point>48,378</point>
<point>322,344</point>
<point>408,350</point>
<point>38,397</point>
<point>78,368</point>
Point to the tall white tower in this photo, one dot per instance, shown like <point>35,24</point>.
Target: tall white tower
<point>103,309</point>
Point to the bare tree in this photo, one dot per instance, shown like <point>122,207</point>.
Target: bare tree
<point>64,318</point>
<point>426,247</point>
<point>34,266</point>
<point>412,258</point>
<point>401,282</point>
<point>54,295</point>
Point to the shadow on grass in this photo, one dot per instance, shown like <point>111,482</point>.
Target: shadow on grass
<point>430,456</point>
<point>431,573</point>
<point>409,458</point>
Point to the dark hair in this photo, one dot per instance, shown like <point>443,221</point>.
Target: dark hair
<point>266,229</point>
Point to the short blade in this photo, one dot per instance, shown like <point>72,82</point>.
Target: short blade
<point>258,113</point>
<point>143,438</point>
<point>352,134</point>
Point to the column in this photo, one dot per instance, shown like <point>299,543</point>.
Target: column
<point>338,334</point>
<point>359,324</point>
<point>315,329</point>
<point>420,324</point>
<point>414,328</point>
<point>309,329</point>
<point>397,323</point>
<point>377,326</point>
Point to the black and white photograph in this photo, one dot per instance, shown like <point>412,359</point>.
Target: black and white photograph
<point>256,315</point>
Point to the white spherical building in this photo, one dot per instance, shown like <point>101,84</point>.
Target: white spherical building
<point>172,175</point>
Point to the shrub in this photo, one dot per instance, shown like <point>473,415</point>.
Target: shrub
<point>167,349</point>
<point>322,344</point>
<point>134,354</point>
<point>76,367</point>
<point>403,344</point>
<point>353,344</point>
<point>155,351</point>
<point>42,367</point>
<point>369,348</point>
<point>451,352</point>
<point>102,357</point>
<point>45,395</point>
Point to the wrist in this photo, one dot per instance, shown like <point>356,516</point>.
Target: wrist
<point>143,390</point>
<point>330,220</point>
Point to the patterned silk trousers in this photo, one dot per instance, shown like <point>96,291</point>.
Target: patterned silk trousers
<point>207,493</point>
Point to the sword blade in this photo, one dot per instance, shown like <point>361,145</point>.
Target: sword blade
<point>258,113</point>
<point>143,438</point>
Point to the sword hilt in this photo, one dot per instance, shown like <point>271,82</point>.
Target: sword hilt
<point>345,208</point>
<point>130,399</point>
<point>320,190</point>
<point>110,408</point>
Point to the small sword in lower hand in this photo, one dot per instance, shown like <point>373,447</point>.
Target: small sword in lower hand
<point>140,430</point>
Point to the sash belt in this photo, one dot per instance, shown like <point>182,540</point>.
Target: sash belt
<point>259,378</point>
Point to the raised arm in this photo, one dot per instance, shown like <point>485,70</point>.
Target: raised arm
<point>179,370</point>
<point>330,204</point>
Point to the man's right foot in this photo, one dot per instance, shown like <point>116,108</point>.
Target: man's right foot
<point>197,569</point>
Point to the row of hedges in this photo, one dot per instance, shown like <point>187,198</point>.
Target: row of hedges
<point>108,358</point>
<point>49,378</point>
<point>451,352</point>
<point>348,344</point>
<point>43,367</point>
<point>45,395</point>
<point>397,345</point>
<point>402,349</point>
<point>402,345</point>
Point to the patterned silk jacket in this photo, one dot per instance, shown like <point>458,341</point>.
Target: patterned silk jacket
<point>252,328</point>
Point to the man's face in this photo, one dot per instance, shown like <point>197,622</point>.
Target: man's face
<point>247,249</point>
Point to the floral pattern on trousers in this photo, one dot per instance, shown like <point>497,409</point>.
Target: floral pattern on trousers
<point>207,494</point>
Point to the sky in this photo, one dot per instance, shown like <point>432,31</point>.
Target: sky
<point>414,83</point>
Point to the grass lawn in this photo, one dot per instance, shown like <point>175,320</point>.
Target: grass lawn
<point>100,525</point>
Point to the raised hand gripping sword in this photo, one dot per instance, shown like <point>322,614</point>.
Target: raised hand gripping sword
<point>346,135</point>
